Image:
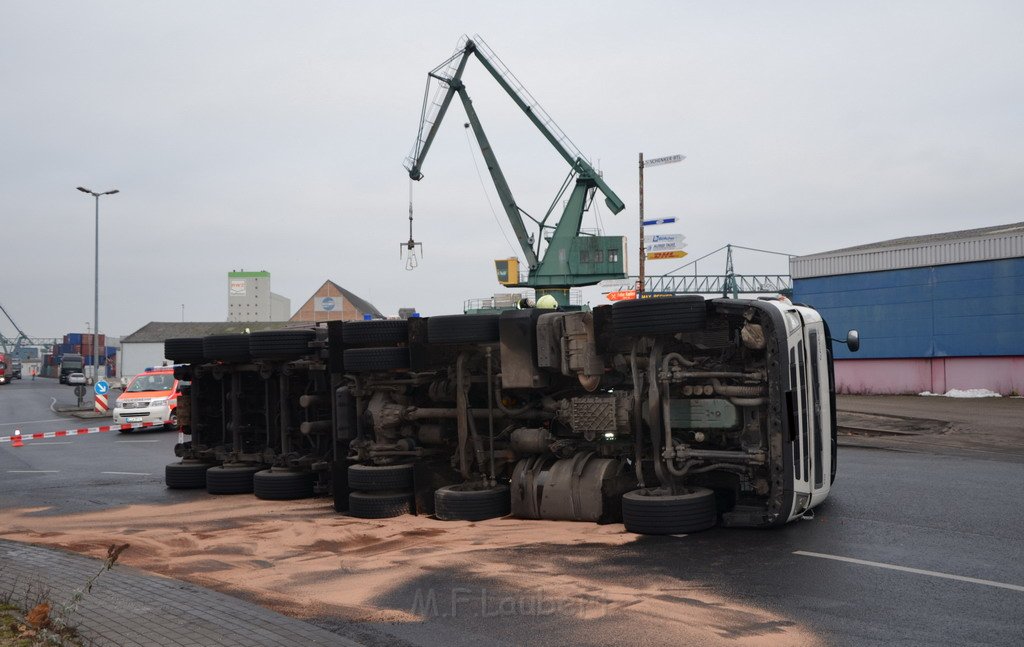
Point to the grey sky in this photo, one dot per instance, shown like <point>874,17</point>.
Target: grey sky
<point>271,135</point>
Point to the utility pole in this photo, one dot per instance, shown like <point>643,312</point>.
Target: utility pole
<point>643,251</point>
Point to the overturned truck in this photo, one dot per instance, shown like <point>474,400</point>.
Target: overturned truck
<point>670,415</point>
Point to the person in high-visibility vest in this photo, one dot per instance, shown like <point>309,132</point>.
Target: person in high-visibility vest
<point>547,302</point>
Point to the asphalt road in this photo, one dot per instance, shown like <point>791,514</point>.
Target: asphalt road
<point>911,548</point>
<point>75,473</point>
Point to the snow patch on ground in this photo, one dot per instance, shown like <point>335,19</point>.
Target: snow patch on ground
<point>964,393</point>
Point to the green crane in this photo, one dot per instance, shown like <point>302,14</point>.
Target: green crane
<point>558,256</point>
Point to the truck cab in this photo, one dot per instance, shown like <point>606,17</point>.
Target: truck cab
<point>151,396</point>
<point>70,363</point>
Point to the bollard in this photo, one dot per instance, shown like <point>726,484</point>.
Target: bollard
<point>16,441</point>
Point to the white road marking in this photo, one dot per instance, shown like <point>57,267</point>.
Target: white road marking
<point>29,422</point>
<point>128,473</point>
<point>32,471</point>
<point>51,442</point>
<point>907,569</point>
<point>137,441</point>
<point>53,401</point>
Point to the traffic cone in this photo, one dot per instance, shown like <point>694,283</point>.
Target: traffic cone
<point>16,441</point>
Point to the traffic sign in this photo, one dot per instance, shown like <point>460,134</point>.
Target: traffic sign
<point>658,161</point>
<point>659,221</point>
<point>664,242</point>
<point>80,390</point>
<point>657,256</point>
<point>101,387</point>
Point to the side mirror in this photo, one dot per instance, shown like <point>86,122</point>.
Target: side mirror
<point>853,341</point>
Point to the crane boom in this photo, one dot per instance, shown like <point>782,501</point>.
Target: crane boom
<point>569,259</point>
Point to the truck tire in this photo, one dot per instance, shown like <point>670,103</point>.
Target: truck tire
<point>280,344</point>
<point>226,348</point>
<point>375,333</point>
<point>462,329</point>
<point>367,360</point>
<point>186,475</point>
<point>231,478</point>
<point>684,313</point>
<point>184,350</point>
<point>378,478</point>
<point>657,512</point>
<point>277,484</point>
<point>471,502</point>
<point>379,505</point>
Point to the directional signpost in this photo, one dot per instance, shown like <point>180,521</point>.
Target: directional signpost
<point>659,221</point>
<point>658,161</point>
<point>668,159</point>
<point>662,246</point>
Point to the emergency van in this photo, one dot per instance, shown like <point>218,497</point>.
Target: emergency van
<point>151,396</point>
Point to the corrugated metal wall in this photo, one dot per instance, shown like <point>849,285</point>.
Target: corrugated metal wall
<point>963,250</point>
<point>964,310</point>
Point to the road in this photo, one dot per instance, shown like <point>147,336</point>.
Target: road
<point>75,473</point>
<point>912,548</point>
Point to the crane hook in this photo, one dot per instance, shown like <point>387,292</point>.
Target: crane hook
<point>411,262</point>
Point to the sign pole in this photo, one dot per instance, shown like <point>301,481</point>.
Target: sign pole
<point>643,252</point>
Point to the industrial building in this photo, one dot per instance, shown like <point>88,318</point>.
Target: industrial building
<point>331,302</point>
<point>935,313</point>
<point>250,298</point>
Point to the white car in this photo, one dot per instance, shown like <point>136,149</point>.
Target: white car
<point>76,378</point>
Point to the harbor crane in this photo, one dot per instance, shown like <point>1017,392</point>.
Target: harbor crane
<point>557,254</point>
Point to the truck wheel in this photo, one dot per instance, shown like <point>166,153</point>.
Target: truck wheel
<point>366,360</point>
<point>375,333</point>
<point>184,350</point>
<point>471,502</point>
<point>232,478</point>
<point>186,475</point>
<point>227,348</point>
<point>657,512</point>
<point>379,505</point>
<point>283,484</point>
<point>684,313</point>
<point>461,329</point>
<point>377,478</point>
<point>281,344</point>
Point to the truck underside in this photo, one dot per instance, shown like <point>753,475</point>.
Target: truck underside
<point>668,414</point>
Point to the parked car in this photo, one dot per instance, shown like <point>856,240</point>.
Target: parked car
<point>75,379</point>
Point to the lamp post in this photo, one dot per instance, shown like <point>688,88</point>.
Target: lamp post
<point>96,291</point>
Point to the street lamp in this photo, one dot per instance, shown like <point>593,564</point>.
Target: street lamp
<point>96,292</point>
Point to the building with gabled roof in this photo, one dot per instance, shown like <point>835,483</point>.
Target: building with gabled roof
<point>331,302</point>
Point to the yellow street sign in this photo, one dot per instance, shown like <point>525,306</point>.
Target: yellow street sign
<point>657,256</point>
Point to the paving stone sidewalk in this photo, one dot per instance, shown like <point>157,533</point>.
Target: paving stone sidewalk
<point>131,608</point>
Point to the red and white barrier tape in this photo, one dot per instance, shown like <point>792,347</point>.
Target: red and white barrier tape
<point>89,430</point>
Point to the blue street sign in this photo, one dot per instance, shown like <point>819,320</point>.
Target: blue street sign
<point>659,221</point>
<point>101,387</point>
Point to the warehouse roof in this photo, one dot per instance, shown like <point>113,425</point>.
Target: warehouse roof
<point>159,331</point>
<point>964,246</point>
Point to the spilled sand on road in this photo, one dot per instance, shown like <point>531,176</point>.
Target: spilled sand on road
<point>303,559</point>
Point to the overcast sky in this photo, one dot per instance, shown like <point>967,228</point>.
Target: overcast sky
<point>271,135</point>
